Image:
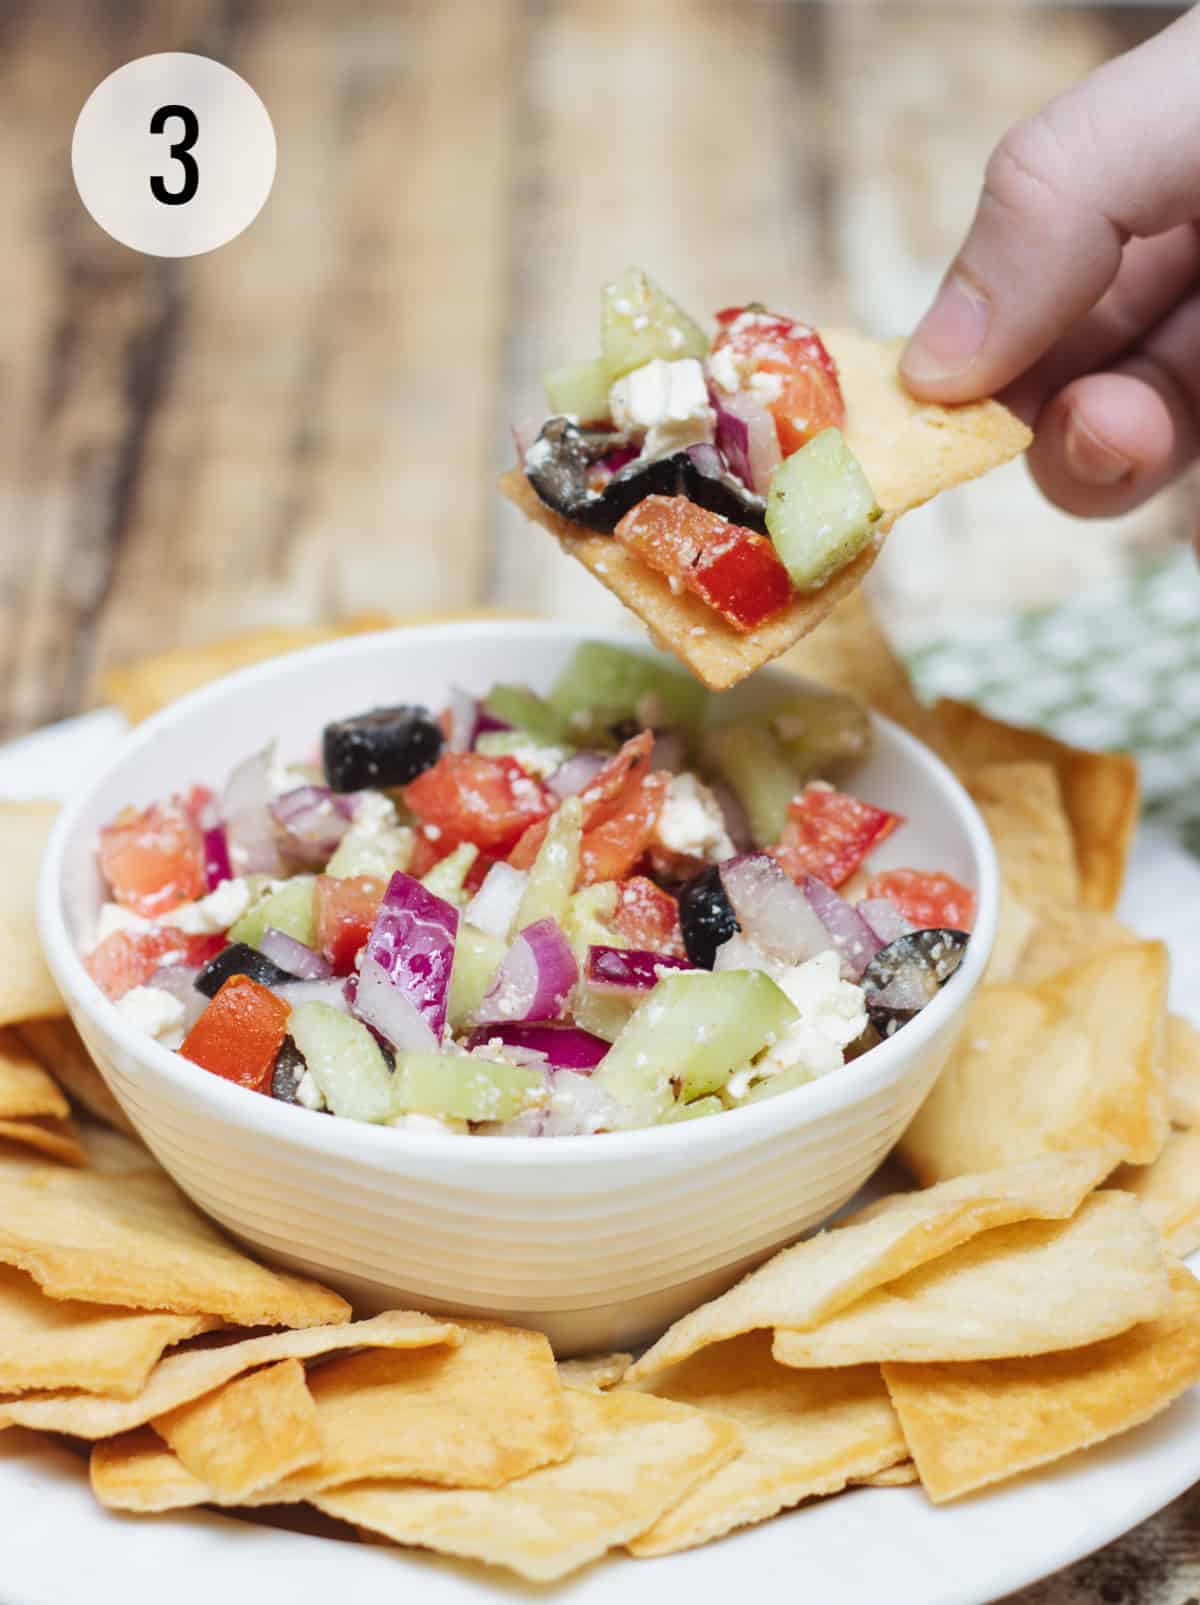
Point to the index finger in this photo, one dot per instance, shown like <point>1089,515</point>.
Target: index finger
<point>1116,156</point>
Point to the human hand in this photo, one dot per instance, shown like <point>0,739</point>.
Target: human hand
<point>1076,295</point>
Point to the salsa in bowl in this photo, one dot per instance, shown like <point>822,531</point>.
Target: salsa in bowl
<point>611,906</point>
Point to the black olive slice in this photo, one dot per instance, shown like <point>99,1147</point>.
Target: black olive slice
<point>239,959</point>
<point>706,916</point>
<point>385,747</point>
<point>907,974</point>
<point>558,467</point>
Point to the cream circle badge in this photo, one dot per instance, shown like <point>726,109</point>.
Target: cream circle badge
<point>173,154</point>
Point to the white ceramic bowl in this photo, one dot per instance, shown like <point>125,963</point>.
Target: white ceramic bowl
<point>599,1241</point>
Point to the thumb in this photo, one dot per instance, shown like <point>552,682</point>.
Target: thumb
<point>1116,156</point>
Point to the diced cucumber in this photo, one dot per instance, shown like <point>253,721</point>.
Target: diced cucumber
<point>344,1060</point>
<point>379,856</point>
<point>785,1081</point>
<point>477,957</point>
<point>696,1110</point>
<point>289,909</point>
<point>604,1014</point>
<point>821,732</point>
<point>624,684</point>
<point>554,871</point>
<point>521,745</point>
<point>586,922</point>
<point>579,389</point>
<point>446,877</point>
<point>518,705</point>
<point>692,1031</point>
<point>821,511</point>
<point>752,761</point>
<point>639,322</point>
<point>456,1086</point>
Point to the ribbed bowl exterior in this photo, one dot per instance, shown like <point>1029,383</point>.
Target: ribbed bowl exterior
<point>599,1241</point>
<point>593,1255</point>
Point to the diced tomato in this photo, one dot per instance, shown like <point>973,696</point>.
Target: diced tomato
<point>732,570</point>
<point>427,851</point>
<point>200,803</point>
<point>603,797</point>
<point>469,797</point>
<point>153,860</point>
<point>926,898</point>
<point>345,907</point>
<point>239,1034</point>
<point>477,873</point>
<point>126,959</point>
<point>803,395</point>
<point>610,849</point>
<point>828,833</point>
<point>647,917</point>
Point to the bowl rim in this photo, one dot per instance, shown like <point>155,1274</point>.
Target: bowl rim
<point>372,1145</point>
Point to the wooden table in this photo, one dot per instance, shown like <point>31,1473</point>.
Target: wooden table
<point>309,422</point>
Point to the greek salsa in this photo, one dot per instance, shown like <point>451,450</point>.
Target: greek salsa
<point>719,464</point>
<point>593,910</point>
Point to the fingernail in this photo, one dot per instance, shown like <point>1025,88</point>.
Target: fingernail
<point>1089,459</point>
<point>950,335</point>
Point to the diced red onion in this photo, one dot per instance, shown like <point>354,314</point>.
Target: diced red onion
<point>180,981</point>
<point>313,821</point>
<point>535,976</point>
<point>464,720</point>
<point>771,909</point>
<point>564,1047</point>
<point>494,907</point>
<point>576,774</point>
<point>748,439</point>
<point>739,953</point>
<point>851,935</point>
<point>249,828</point>
<point>485,721</point>
<point>404,978</point>
<point>332,991</point>
<point>707,460</point>
<point>737,821</point>
<point>216,857</point>
<point>906,993</point>
<point>669,751</point>
<point>617,458</point>
<point>629,971</point>
<point>884,918</point>
<point>295,957</point>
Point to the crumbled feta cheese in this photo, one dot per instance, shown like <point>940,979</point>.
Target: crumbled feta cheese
<point>765,387</point>
<point>114,918</point>
<point>539,454</point>
<point>667,402</point>
<point>540,761</point>
<point>691,821</point>
<point>374,812</point>
<point>428,1125</point>
<point>216,912</point>
<point>831,1015</point>
<point>152,1010</point>
<point>308,1093</point>
<point>723,369</point>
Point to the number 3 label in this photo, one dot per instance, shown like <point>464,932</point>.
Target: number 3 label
<point>173,154</point>
<point>181,151</point>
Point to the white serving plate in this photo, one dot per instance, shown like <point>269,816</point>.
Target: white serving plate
<point>869,1547</point>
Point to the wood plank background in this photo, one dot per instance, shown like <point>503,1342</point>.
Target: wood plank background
<point>310,421</point>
